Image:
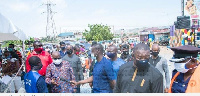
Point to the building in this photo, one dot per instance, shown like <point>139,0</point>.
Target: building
<point>158,33</point>
<point>66,36</point>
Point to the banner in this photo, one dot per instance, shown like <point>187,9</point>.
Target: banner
<point>192,9</point>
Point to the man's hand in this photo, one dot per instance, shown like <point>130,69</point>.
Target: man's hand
<point>90,85</point>
<point>106,57</point>
<point>74,83</point>
<point>54,82</point>
<point>166,90</point>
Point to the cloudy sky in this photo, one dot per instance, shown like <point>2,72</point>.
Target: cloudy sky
<point>27,14</point>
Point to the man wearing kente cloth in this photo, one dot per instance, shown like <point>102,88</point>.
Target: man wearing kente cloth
<point>185,77</point>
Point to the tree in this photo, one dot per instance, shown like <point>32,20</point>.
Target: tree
<point>98,32</point>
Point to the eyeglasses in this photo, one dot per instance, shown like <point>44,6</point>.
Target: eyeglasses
<point>56,58</point>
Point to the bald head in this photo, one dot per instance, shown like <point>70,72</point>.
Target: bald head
<point>69,47</point>
<point>56,54</point>
<point>155,47</point>
<point>112,48</point>
<point>98,47</point>
<point>141,46</point>
<point>141,52</point>
<point>37,44</point>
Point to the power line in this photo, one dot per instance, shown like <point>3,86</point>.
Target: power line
<point>50,27</point>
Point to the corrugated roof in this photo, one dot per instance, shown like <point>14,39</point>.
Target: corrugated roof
<point>66,34</point>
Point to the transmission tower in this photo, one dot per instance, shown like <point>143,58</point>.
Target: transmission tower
<point>50,27</point>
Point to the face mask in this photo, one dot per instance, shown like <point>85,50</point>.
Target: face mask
<point>155,53</point>
<point>181,67</point>
<point>62,48</point>
<point>142,64</point>
<point>57,62</point>
<point>111,55</point>
<point>125,52</point>
<point>38,49</point>
<point>69,52</point>
<point>10,49</point>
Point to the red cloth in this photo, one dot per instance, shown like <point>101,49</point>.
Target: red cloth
<point>45,58</point>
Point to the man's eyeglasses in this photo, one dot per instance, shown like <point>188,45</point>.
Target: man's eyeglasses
<point>56,58</point>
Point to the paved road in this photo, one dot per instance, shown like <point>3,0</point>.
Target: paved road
<point>164,52</point>
<point>167,53</point>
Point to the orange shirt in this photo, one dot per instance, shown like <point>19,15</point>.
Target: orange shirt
<point>45,58</point>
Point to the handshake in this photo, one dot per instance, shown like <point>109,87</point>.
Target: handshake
<point>74,83</point>
<point>63,79</point>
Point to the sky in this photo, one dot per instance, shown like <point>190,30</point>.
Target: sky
<point>28,14</point>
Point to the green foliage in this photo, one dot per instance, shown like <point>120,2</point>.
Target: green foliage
<point>18,42</point>
<point>98,32</point>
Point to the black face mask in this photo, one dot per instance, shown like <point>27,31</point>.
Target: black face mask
<point>69,52</point>
<point>155,53</point>
<point>125,53</point>
<point>142,64</point>
<point>62,48</point>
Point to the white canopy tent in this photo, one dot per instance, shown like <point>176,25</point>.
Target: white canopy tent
<point>8,31</point>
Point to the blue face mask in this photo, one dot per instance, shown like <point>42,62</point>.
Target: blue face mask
<point>142,64</point>
<point>111,55</point>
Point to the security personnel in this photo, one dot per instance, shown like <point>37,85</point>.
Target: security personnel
<point>125,53</point>
<point>185,77</point>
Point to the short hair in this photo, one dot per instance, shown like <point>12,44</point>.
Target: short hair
<point>94,43</point>
<point>12,45</point>
<point>33,61</point>
<point>70,46</point>
<point>99,47</point>
<point>141,46</point>
<point>6,51</point>
<point>61,43</point>
<point>75,47</point>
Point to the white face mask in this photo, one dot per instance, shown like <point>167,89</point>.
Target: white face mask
<point>181,67</point>
<point>57,62</point>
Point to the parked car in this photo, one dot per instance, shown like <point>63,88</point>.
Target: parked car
<point>164,41</point>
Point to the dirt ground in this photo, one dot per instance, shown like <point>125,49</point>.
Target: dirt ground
<point>167,53</point>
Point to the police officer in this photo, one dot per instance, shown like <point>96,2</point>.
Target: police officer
<point>185,77</point>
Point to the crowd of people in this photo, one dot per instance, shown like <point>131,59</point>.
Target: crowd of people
<point>112,68</point>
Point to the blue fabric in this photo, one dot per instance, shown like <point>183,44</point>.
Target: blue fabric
<point>102,75</point>
<point>179,85</point>
<point>30,80</point>
<point>62,54</point>
<point>41,85</point>
<point>116,65</point>
<point>0,52</point>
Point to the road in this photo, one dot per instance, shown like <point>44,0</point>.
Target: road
<point>164,52</point>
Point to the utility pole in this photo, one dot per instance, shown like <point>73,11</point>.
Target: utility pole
<point>50,27</point>
<point>182,7</point>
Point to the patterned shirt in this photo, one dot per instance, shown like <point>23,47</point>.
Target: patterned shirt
<point>62,74</point>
